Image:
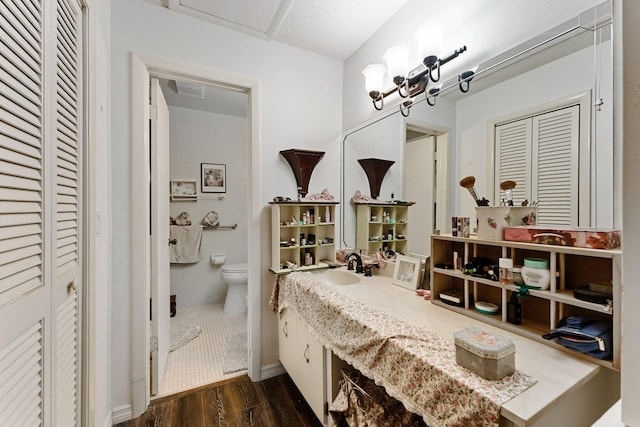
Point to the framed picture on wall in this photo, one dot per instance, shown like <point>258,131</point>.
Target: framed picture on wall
<point>183,189</point>
<point>214,178</point>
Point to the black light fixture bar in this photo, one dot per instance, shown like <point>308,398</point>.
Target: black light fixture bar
<point>417,80</point>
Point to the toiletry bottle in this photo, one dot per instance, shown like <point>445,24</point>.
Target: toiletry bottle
<point>327,214</point>
<point>514,310</point>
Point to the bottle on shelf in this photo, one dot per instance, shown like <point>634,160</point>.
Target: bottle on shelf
<point>514,310</point>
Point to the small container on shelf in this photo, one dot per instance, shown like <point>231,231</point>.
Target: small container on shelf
<point>516,272</point>
<point>506,270</point>
<point>535,272</point>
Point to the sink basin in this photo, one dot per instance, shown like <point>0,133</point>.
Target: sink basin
<point>336,277</point>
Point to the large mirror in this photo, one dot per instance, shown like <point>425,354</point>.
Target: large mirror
<point>561,79</point>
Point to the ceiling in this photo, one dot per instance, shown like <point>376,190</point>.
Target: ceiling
<point>211,99</point>
<point>333,28</point>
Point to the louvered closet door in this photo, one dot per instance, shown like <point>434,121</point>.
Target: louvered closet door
<point>66,191</point>
<point>513,159</point>
<point>541,153</point>
<point>555,179</point>
<point>40,172</point>
<point>25,294</point>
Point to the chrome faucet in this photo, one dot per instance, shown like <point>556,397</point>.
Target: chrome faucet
<point>354,257</point>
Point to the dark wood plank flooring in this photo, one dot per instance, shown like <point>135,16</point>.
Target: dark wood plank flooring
<point>237,402</point>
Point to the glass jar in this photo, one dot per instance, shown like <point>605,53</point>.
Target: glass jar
<point>506,270</point>
<point>535,272</point>
<point>516,272</point>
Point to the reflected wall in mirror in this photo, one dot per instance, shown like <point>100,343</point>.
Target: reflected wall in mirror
<point>568,67</point>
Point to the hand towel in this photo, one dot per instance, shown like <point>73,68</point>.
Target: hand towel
<point>185,242</point>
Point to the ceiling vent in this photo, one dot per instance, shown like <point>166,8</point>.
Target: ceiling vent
<point>194,90</point>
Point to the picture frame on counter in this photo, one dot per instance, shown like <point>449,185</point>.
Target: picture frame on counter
<point>406,272</point>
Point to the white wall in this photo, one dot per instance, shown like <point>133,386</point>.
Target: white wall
<point>627,131</point>
<point>300,96</point>
<point>200,137</point>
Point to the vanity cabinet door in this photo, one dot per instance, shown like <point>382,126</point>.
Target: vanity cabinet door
<point>311,367</point>
<point>287,340</point>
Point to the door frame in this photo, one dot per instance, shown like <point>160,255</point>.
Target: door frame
<point>144,66</point>
<point>443,191</point>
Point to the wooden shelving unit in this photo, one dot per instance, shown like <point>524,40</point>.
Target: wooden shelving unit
<point>382,226</point>
<point>570,267</point>
<point>287,228</point>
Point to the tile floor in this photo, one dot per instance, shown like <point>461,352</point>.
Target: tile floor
<point>200,361</point>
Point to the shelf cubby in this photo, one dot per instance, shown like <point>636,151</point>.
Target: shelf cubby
<point>570,268</point>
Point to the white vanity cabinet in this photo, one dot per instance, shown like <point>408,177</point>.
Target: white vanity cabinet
<point>304,359</point>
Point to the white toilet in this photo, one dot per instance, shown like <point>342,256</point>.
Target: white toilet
<point>235,275</point>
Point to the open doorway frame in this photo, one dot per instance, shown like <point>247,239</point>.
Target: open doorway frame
<point>442,188</point>
<point>142,68</point>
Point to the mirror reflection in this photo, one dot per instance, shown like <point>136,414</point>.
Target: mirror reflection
<point>539,115</point>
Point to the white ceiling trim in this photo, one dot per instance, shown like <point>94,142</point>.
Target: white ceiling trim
<point>246,27</point>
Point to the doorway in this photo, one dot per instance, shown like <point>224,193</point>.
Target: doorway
<point>143,67</point>
<point>425,180</point>
<point>208,128</point>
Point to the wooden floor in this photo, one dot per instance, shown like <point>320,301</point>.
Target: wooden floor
<point>237,402</point>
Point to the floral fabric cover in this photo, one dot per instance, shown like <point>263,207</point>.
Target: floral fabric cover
<point>360,402</point>
<point>414,365</point>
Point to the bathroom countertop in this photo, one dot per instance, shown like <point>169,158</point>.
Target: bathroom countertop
<point>562,380</point>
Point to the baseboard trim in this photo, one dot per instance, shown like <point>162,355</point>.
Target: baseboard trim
<point>271,371</point>
<point>121,414</point>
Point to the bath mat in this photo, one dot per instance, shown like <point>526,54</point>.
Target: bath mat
<point>182,330</point>
<point>235,353</point>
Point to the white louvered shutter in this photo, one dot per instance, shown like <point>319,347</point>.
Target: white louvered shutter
<point>541,154</point>
<point>555,179</point>
<point>21,385</point>
<point>40,205</point>
<point>66,190</point>
<point>25,298</point>
<point>21,147</point>
<point>513,159</point>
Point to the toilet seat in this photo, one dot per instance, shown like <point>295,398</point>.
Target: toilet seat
<point>235,268</point>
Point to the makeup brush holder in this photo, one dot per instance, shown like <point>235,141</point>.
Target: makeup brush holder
<point>492,220</point>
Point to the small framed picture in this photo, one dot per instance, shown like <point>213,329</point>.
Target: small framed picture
<point>406,272</point>
<point>214,178</point>
<point>183,188</point>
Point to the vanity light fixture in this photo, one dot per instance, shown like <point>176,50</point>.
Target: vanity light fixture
<point>397,59</point>
<point>463,80</point>
<point>415,82</point>
<point>410,83</point>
